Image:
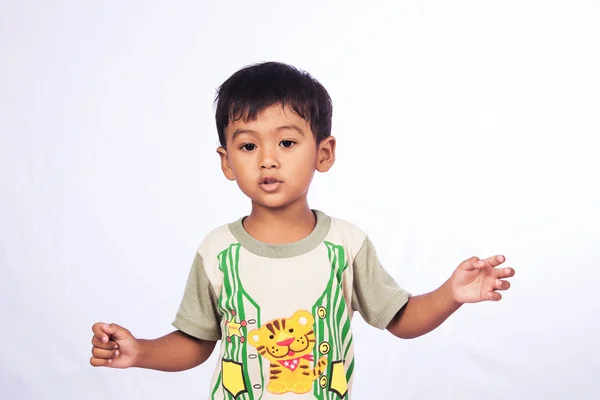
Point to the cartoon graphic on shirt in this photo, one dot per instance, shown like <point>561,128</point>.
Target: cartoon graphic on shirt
<point>288,344</point>
<point>316,356</point>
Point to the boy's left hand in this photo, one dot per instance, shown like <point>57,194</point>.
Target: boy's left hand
<point>478,280</point>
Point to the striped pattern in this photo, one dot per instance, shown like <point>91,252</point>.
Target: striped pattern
<point>233,297</point>
<point>332,323</point>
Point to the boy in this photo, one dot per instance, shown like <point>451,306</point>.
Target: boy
<point>280,286</point>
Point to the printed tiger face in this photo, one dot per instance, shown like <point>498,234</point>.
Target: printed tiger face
<point>285,338</point>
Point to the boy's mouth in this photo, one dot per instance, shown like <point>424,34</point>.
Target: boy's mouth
<point>269,180</point>
<point>270,184</point>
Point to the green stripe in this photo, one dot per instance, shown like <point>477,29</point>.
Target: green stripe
<point>350,370</point>
<point>232,302</point>
<point>226,305</point>
<point>328,245</point>
<point>232,298</point>
<point>258,323</point>
<point>337,328</point>
<point>339,251</point>
<point>244,348</point>
<point>335,345</point>
<point>320,328</point>
<point>330,311</point>
<point>228,290</point>
<point>345,332</point>
<point>340,314</point>
<point>333,296</point>
<point>346,329</point>
<point>348,348</point>
<point>217,384</point>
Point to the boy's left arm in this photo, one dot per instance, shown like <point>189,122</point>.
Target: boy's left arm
<point>473,281</point>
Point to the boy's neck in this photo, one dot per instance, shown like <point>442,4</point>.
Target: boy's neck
<point>281,225</point>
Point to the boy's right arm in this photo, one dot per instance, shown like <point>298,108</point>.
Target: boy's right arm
<point>115,347</point>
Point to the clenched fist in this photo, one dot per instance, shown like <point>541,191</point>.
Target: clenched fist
<point>113,346</point>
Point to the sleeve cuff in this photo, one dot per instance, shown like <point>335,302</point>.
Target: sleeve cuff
<point>194,330</point>
<point>391,309</point>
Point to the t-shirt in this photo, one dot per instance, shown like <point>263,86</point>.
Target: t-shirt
<point>283,311</point>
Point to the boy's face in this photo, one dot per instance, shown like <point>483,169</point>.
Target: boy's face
<point>273,159</point>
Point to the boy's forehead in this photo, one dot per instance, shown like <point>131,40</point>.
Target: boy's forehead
<point>269,119</point>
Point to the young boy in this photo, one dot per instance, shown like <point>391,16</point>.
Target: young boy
<point>279,287</point>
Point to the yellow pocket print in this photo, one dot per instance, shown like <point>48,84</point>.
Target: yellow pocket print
<point>233,378</point>
<point>338,379</point>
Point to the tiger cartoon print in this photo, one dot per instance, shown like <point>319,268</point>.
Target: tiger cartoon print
<point>288,344</point>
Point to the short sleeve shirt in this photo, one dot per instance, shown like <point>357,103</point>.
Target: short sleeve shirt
<point>283,312</point>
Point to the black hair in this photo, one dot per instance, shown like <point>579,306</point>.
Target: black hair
<point>257,87</point>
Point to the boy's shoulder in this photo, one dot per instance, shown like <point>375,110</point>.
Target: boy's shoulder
<point>344,225</point>
<point>346,233</point>
<point>217,239</point>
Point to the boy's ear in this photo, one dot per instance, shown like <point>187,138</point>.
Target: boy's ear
<point>326,154</point>
<point>227,171</point>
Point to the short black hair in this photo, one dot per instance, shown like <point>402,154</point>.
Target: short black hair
<point>257,87</point>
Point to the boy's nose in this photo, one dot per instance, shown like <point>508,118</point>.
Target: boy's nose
<point>268,165</point>
<point>267,161</point>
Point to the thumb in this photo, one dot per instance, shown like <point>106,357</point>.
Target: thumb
<point>117,332</point>
<point>471,264</point>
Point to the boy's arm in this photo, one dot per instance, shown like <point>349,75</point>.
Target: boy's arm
<point>176,351</point>
<point>473,281</point>
<point>198,328</point>
<point>115,347</point>
<point>424,313</point>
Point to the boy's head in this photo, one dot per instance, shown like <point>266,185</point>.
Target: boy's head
<point>274,125</point>
<point>253,89</point>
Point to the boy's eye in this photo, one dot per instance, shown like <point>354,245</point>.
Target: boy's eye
<point>287,143</point>
<point>248,147</point>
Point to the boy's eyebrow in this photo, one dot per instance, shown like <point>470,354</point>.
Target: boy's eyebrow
<point>292,127</point>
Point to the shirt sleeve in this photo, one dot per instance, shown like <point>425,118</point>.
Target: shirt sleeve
<point>376,295</point>
<point>198,313</point>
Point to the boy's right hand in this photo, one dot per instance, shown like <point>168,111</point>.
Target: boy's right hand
<point>113,346</point>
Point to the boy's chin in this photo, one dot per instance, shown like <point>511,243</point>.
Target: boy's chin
<point>275,202</point>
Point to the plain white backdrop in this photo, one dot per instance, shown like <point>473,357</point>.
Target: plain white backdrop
<point>464,128</point>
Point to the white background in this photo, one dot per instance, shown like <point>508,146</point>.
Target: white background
<point>464,128</point>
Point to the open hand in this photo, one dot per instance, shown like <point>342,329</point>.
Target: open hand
<point>478,280</point>
<point>113,346</point>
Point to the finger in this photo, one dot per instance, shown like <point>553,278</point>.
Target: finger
<point>476,263</point>
<point>494,296</point>
<point>471,264</point>
<point>505,272</point>
<point>108,345</point>
<point>493,261</point>
<point>99,333</point>
<point>104,354</point>
<point>99,362</point>
<point>115,331</point>
<point>499,284</point>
